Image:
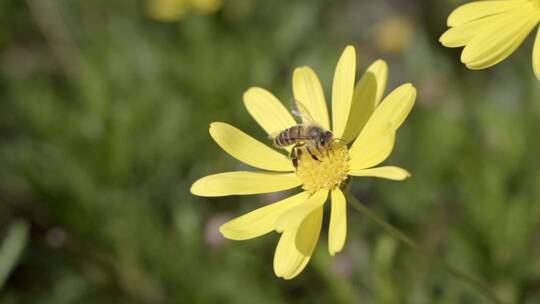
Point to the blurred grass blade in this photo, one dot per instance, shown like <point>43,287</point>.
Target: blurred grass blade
<point>398,234</point>
<point>12,248</point>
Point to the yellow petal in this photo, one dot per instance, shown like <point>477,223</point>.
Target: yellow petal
<point>389,172</point>
<point>379,69</point>
<point>267,111</point>
<point>294,216</point>
<point>386,119</point>
<point>480,9</point>
<point>166,10</point>
<point>308,90</point>
<point>536,55</point>
<point>206,6</point>
<point>377,151</point>
<point>247,149</point>
<point>367,95</point>
<point>337,231</point>
<point>461,35</point>
<point>288,261</point>
<point>296,245</point>
<point>244,182</point>
<point>260,221</point>
<point>499,40</point>
<point>342,90</point>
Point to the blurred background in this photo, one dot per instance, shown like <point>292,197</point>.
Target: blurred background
<point>105,107</point>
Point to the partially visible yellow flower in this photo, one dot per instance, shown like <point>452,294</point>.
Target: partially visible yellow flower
<point>358,117</point>
<point>492,30</point>
<point>172,10</point>
<point>394,34</point>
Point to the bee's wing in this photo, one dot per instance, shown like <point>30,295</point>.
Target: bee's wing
<point>299,110</point>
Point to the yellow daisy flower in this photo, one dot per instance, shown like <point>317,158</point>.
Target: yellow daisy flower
<point>492,30</point>
<point>358,118</point>
<point>172,10</point>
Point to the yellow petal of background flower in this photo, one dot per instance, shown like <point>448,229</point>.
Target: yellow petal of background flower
<point>386,119</point>
<point>367,95</point>
<point>536,55</point>
<point>389,172</point>
<point>337,231</point>
<point>296,245</point>
<point>243,183</point>
<point>267,111</point>
<point>206,6</point>
<point>496,42</point>
<point>166,10</point>
<point>294,216</point>
<point>377,151</point>
<point>480,9</point>
<point>342,90</point>
<point>260,221</point>
<point>247,149</point>
<point>308,90</point>
<point>461,35</point>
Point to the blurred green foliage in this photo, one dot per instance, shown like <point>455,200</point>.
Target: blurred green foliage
<point>103,128</point>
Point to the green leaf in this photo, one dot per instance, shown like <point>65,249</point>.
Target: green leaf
<point>12,248</point>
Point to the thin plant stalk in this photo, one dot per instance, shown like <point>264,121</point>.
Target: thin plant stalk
<point>398,234</point>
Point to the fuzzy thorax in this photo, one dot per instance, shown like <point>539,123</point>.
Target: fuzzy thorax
<point>328,172</point>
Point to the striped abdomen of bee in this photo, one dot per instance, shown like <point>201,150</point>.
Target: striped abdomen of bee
<point>290,136</point>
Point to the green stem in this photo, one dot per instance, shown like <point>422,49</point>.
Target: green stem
<point>485,289</point>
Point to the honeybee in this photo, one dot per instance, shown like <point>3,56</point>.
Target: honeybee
<point>307,135</point>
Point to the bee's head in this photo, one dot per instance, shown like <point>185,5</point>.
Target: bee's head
<point>325,138</point>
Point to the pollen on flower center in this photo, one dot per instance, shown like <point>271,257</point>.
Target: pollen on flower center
<point>328,172</point>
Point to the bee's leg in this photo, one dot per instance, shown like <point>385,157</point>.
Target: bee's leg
<point>318,146</point>
<point>298,156</point>
<point>327,148</point>
<point>294,156</point>
<point>311,153</point>
<point>296,152</point>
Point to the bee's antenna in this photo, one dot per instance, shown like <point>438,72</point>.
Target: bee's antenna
<point>340,140</point>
